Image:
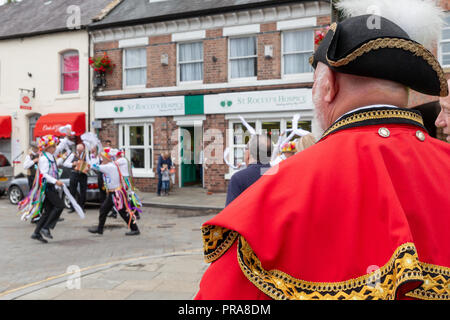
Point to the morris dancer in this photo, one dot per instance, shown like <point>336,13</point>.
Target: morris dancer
<point>116,196</point>
<point>125,170</point>
<point>44,198</point>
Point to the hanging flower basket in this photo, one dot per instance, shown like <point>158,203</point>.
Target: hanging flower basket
<point>320,35</point>
<point>101,66</point>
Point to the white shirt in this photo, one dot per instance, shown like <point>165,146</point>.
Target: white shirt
<point>69,161</point>
<point>123,166</point>
<point>47,163</point>
<point>111,175</point>
<point>28,163</point>
<point>48,167</point>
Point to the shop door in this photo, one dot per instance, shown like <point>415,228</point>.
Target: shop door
<point>191,170</point>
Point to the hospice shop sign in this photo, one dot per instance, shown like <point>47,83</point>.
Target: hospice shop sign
<point>259,101</point>
<point>136,108</point>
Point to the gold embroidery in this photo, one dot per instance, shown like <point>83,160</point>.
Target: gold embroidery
<point>333,27</point>
<point>395,43</point>
<point>383,283</point>
<point>436,285</point>
<point>216,241</point>
<point>373,115</point>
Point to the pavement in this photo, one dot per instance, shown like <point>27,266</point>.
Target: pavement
<point>164,262</point>
<point>193,198</point>
<point>173,276</point>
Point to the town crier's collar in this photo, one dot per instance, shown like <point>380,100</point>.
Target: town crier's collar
<point>385,51</point>
<point>376,115</point>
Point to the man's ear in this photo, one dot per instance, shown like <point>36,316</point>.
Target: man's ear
<point>331,86</point>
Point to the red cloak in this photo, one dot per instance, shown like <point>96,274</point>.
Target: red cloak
<point>363,214</point>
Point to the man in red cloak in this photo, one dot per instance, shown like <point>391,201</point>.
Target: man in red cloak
<point>364,213</point>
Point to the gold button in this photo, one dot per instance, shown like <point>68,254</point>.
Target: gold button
<point>420,135</point>
<point>384,132</point>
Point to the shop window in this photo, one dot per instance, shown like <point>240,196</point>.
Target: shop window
<point>298,46</point>
<point>70,72</point>
<point>190,61</point>
<point>137,142</point>
<point>444,44</point>
<point>135,67</point>
<point>240,139</point>
<point>305,125</point>
<point>272,129</point>
<point>243,57</point>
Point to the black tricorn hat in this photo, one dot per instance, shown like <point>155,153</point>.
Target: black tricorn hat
<point>385,53</point>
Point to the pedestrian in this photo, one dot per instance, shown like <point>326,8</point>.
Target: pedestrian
<point>443,119</point>
<point>165,178</point>
<point>31,163</point>
<point>258,153</point>
<point>49,185</point>
<point>164,158</point>
<point>78,163</point>
<point>116,195</point>
<point>362,214</point>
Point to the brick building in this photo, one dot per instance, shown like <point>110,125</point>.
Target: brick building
<point>186,70</point>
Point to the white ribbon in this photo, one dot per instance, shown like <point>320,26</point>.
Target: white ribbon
<point>74,203</point>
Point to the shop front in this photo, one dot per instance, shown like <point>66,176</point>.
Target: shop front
<point>5,137</point>
<point>196,130</point>
<point>49,124</point>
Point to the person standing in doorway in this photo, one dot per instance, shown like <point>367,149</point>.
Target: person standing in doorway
<point>164,158</point>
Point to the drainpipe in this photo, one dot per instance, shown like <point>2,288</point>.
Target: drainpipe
<point>89,80</point>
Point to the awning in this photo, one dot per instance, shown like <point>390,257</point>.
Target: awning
<point>50,123</point>
<point>5,127</point>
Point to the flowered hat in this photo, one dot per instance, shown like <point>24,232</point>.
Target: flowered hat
<point>120,153</point>
<point>289,147</point>
<point>47,141</point>
<point>110,153</point>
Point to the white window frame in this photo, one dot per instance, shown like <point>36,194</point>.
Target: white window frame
<point>258,127</point>
<point>440,58</point>
<point>124,132</point>
<point>71,52</point>
<point>124,71</point>
<point>294,75</point>
<point>179,63</point>
<point>246,79</point>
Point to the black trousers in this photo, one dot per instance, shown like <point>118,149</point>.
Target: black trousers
<point>106,207</point>
<point>101,185</point>
<point>77,178</point>
<point>30,181</point>
<point>52,209</point>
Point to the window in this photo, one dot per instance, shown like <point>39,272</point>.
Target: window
<point>298,46</point>
<point>444,44</point>
<point>135,67</point>
<point>70,68</point>
<point>243,57</point>
<point>272,127</point>
<point>190,61</point>
<point>137,141</point>
<point>240,139</point>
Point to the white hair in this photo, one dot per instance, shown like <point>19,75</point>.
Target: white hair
<point>422,20</point>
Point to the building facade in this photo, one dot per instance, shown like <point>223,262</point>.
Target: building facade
<point>181,83</point>
<point>44,71</point>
